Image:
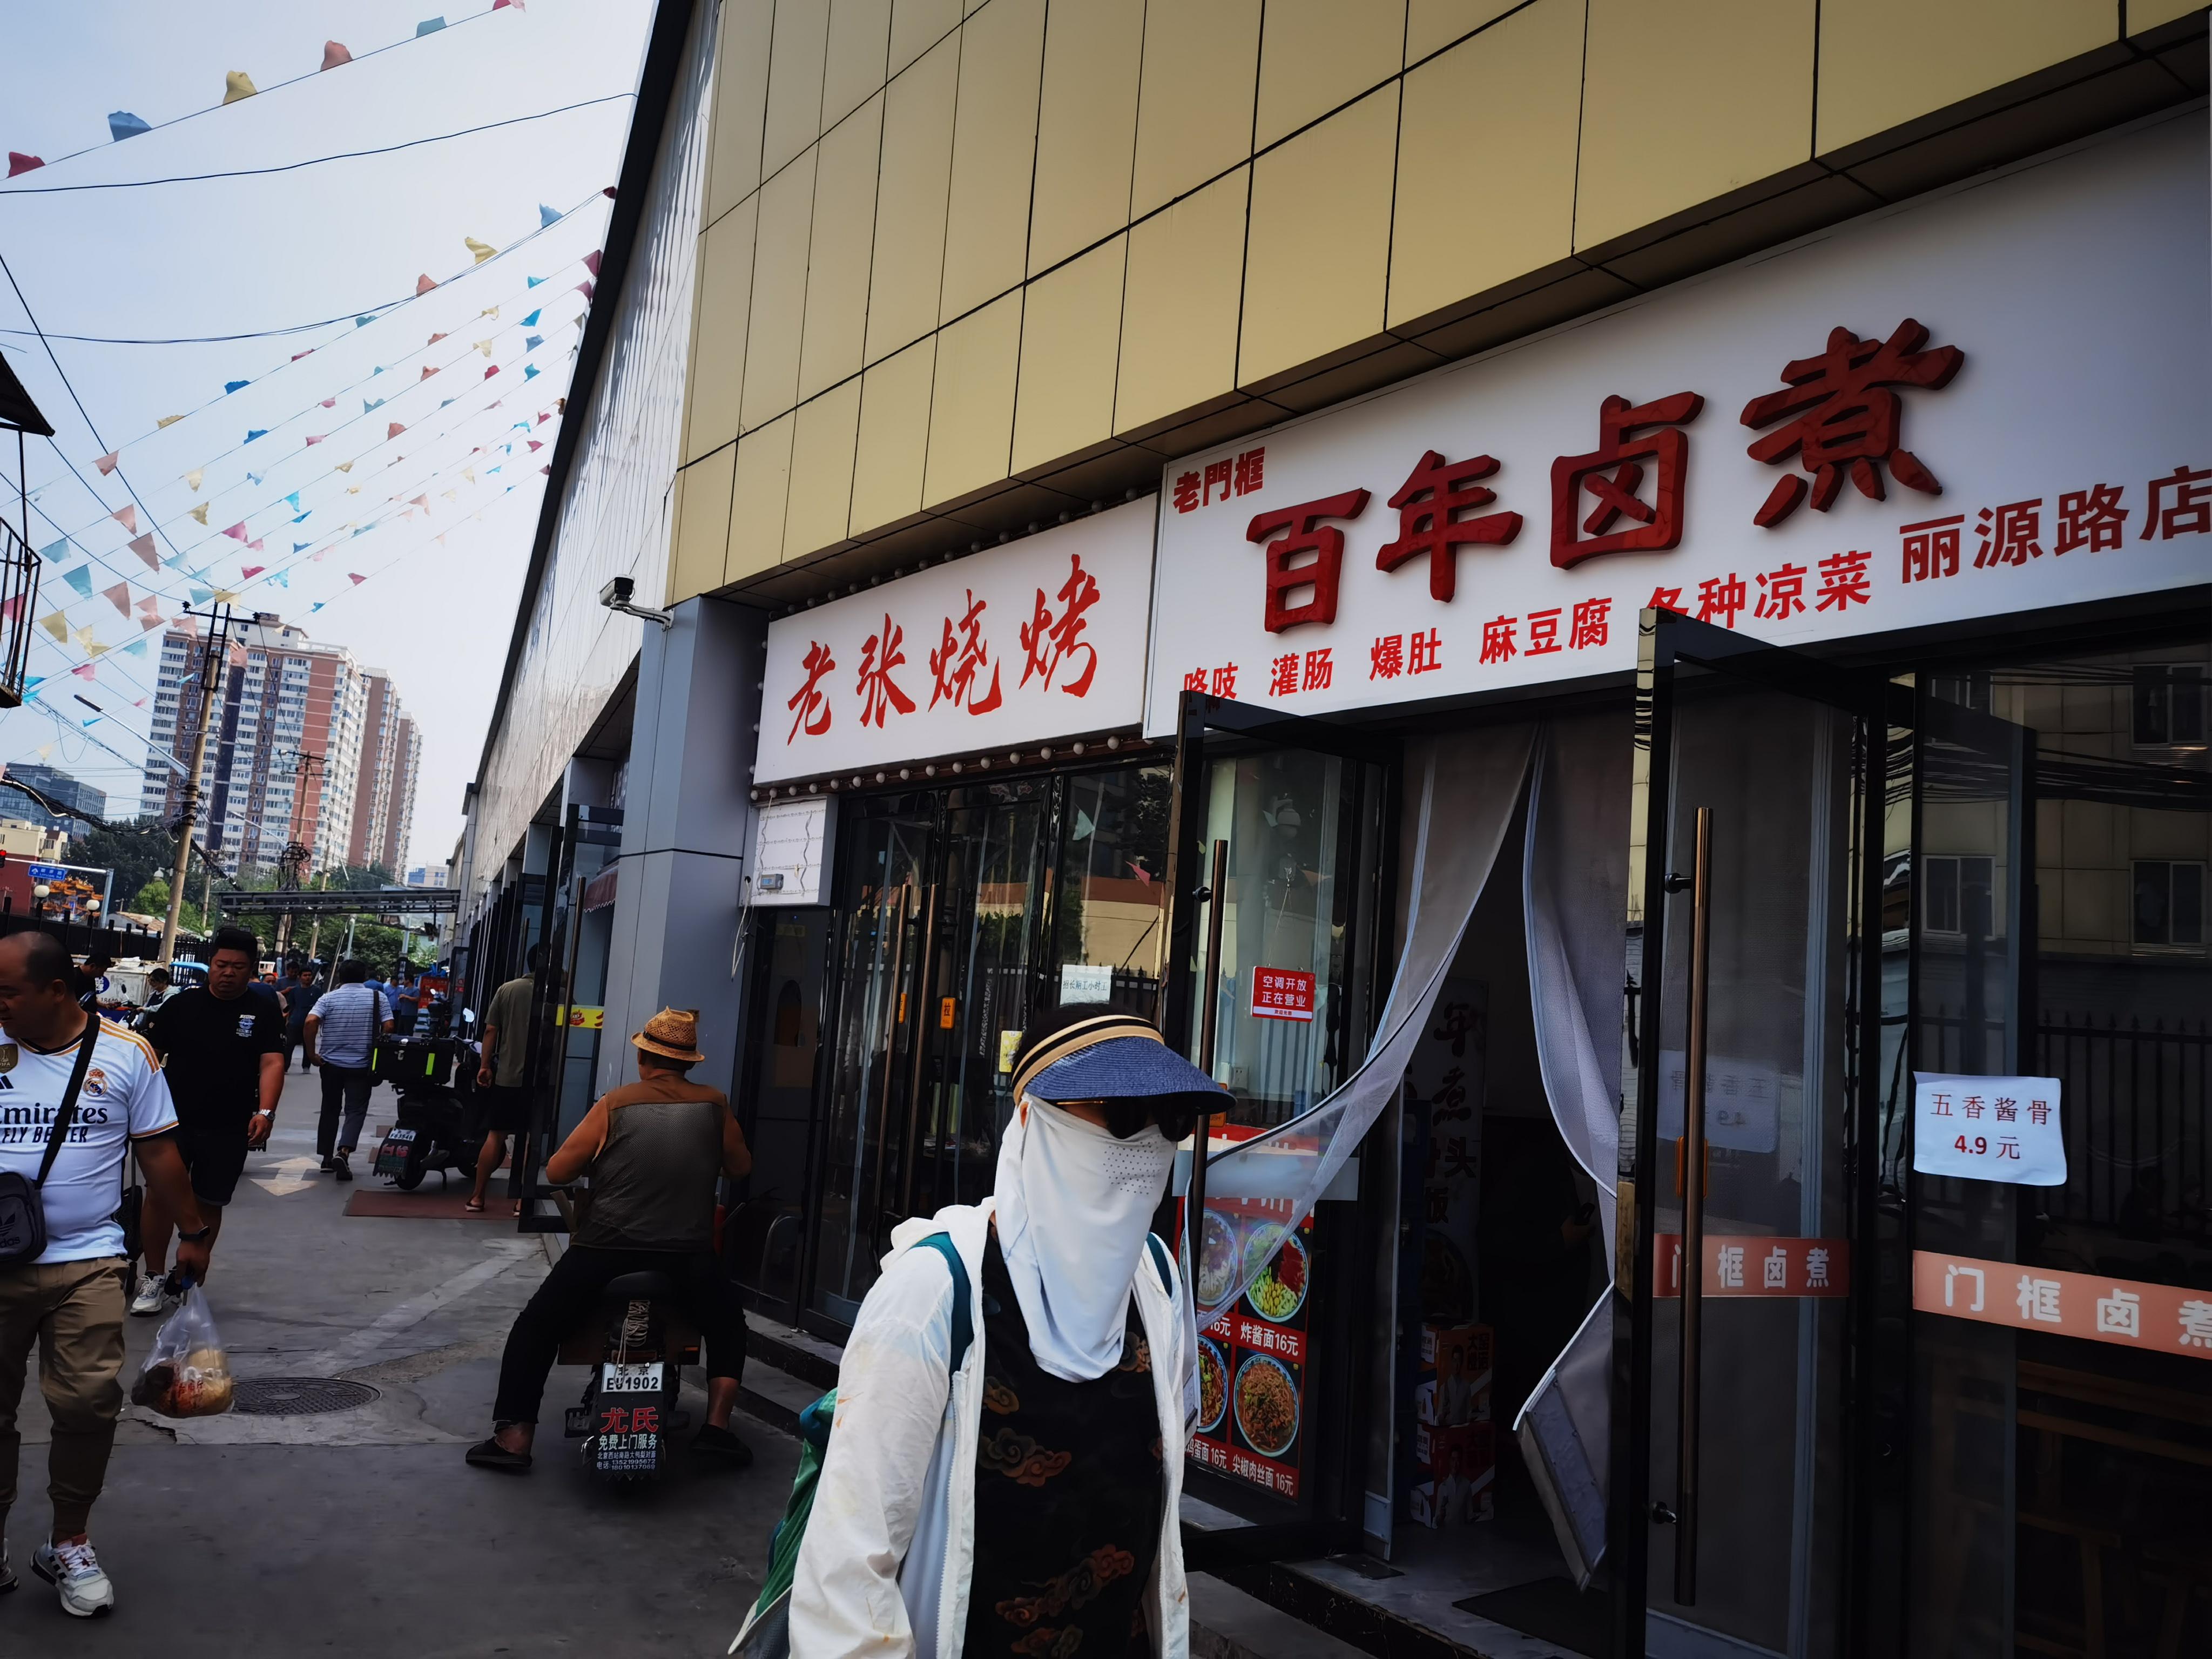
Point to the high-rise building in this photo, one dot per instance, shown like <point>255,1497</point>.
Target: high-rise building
<point>57,786</point>
<point>384,797</point>
<point>284,757</point>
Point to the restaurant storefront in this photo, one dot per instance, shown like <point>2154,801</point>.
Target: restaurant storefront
<point>960,821</point>
<point>1722,783</point>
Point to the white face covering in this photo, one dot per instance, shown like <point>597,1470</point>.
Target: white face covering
<point>1073,1206</point>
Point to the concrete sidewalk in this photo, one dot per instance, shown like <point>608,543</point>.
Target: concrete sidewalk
<point>362,1532</point>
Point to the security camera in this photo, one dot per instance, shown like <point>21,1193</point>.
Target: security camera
<point>614,596</point>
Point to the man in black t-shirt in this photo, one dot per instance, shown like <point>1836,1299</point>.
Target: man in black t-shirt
<point>223,1047</point>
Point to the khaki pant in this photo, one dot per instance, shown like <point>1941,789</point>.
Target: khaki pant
<point>75,1310</point>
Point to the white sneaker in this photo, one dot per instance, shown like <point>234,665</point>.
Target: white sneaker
<point>73,1569</point>
<point>151,1298</point>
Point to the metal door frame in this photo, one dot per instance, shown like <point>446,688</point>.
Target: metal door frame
<point>1336,1479</point>
<point>1666,640</point>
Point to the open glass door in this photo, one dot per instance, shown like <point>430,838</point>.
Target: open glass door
<point>1754,878</point>
<point>1277,879</point>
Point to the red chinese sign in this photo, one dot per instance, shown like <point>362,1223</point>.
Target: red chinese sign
<point>1610,476</point>
<point>1845,417</point>
<point>1282,993</point>
<point>1758,1266</point>
<point>1017,644</point>
<point>2175,1319</point>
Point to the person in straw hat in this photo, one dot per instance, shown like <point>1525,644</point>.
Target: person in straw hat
<point>1025,1500</point>
<point>656,1151</point>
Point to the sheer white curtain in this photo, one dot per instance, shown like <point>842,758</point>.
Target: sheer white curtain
<point>1574,886</point>
<point>1470,783</point>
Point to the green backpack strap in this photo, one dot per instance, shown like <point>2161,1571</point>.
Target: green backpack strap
<point>1160,1262</point>
<point>964,1318</point>
<point>765,1634</point>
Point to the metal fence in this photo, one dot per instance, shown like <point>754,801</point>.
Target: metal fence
<point>2136,1097</point>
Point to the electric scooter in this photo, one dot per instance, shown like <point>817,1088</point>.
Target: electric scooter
<point>636,1343</point>
<point>427,1133</point>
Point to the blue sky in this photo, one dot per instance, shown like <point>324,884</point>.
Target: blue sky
<point>246,254</point>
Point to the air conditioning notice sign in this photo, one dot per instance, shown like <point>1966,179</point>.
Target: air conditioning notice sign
<point>1282,993</point>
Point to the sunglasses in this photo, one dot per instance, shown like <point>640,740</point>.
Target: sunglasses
<point>1127,1118</point>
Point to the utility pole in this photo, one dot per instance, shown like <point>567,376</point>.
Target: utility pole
<point>212,667</point>
<point>315,930</point>
<point>294,858</point>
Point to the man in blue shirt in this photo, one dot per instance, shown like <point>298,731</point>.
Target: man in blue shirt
<point>341,1034</point>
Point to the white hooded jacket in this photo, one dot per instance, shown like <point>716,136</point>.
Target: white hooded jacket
<point>890,1549</point>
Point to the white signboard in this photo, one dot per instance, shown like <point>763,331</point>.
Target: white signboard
<point>1994,401</point>
<point>1743,1101</point>
<point>1988,1128</point>
<point>1039,639</point>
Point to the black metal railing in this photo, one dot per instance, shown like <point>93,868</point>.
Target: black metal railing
<point>19,598</point>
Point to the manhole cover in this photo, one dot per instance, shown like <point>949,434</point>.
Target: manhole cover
<point>297,1396</point>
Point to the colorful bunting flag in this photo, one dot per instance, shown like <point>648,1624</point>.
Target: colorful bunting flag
<point>428,369</point>
<point>584,288</point>
<point>18,162</point>
<point>229,386</point>
<point>193,478</point>
<point>201,595</point>
<point>143,547</point>
<point>252,432</point>
<point>80,580</point>
<point>428,25</point>
<point>166,420</point>
<point>530,343</point>
<point>482,251</point>
<point>237,532</point>
<point>328,403</point>
<point>392,429</point>
<point>362,322</point>
<point>533,282</point>
<point>424,284</point>
<point>493,370</point>
<point>489,310</point>
<point>119,596</point>
<point>547,217</point>
<point>58,625</point>
<point>106,463</point>
<point>294,499</point>
<point>530,321</point>
<point>54,550</point>
<point>591,260</point>
<point>530,371</point>
<point>345,466</point>
<point>367,407</point>
<point>200,512</point>
<point>127,517</point>
<point>122,124</point>
<point>355,580</point>
<point>316,439</point>
<point>237,84</point>
<point>335,55</point>
<point>249,572</point>
<point>138,648</point>
<point>484,346</point>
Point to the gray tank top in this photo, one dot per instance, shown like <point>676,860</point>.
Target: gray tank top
<point>653,1183</point>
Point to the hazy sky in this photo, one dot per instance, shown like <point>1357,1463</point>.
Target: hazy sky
<point>241,255</point>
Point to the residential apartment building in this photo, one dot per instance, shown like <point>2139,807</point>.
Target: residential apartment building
<point>391,756</point>
<point>285,754</point>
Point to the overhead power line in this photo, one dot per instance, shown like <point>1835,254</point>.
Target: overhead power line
<point>294,166</point>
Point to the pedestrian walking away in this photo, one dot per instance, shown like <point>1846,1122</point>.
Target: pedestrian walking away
<point>91,1090</point>
<point>656,1151</point>
<point>503,1073</point>
<point>1026,1501</point>
<point>300,999</point>
<point>222,1046</point>
<point>341,1035</point>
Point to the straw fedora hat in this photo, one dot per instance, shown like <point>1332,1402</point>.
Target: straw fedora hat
<point>671,1034</point>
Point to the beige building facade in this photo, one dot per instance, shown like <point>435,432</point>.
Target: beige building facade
<point>962,268</point>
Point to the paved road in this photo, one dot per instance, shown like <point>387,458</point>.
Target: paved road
<point>362,1532</point>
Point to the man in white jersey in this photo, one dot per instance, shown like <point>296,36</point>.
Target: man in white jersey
<point>69,1302</point>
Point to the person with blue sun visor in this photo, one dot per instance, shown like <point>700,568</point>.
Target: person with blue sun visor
<point>1022,1497</point>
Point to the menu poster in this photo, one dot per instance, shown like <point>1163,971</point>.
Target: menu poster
<point>1252,1360</point>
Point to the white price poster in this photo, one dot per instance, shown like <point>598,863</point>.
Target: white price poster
<point>1988,1128</point>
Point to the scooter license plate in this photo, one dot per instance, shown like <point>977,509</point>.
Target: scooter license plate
<point>630,1379</point>
<point>392,1155</point>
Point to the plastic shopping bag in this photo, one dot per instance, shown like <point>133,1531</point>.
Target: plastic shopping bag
<point>188,1373</point>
